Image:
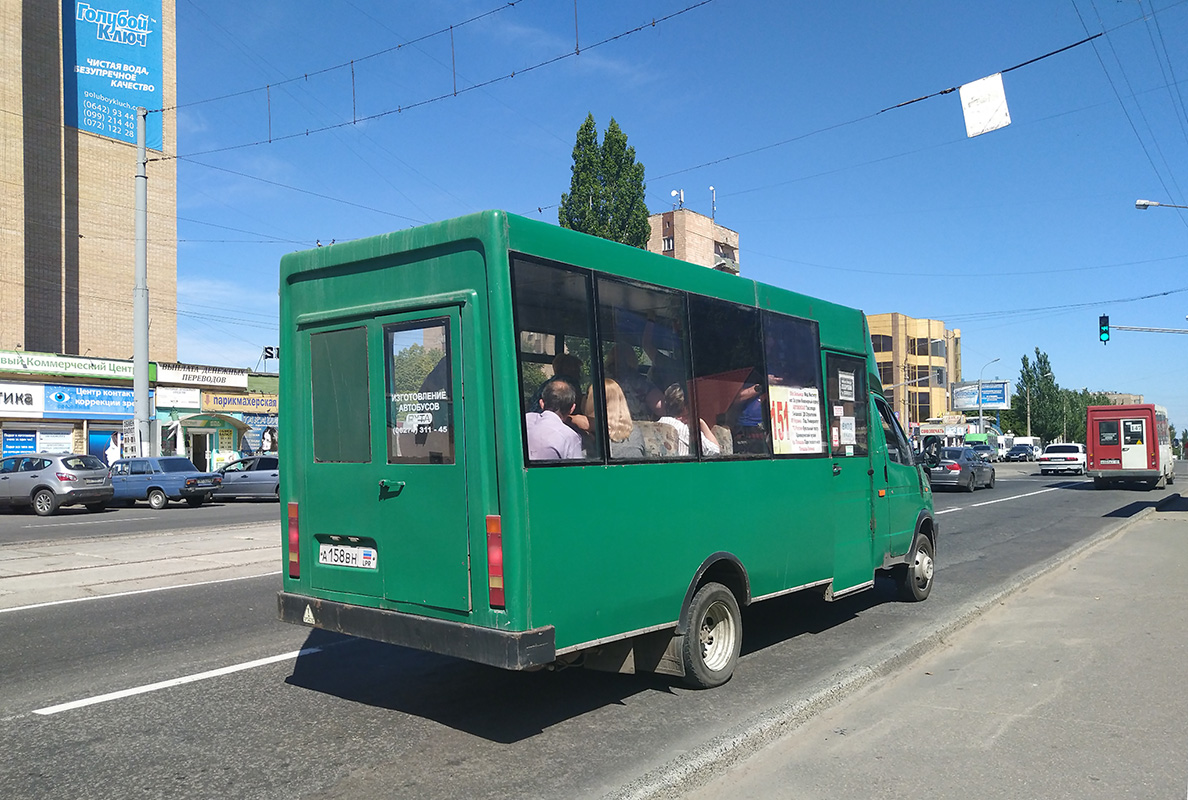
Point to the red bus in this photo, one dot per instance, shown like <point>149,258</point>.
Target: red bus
<point>1129,443</point>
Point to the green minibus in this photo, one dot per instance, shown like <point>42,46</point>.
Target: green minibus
<point>528,447</point>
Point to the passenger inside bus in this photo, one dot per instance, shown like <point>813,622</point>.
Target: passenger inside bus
<point>643,398</point>
<point>676,415</point>
<point>568,369</point>
<point>626,438</point>
<point>549,437</point>
<point>745,416</point>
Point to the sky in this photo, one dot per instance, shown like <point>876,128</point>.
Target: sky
<point>300,122</point>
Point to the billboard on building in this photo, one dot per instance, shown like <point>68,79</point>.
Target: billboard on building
<point>111,65</point>
<point>996,396</point>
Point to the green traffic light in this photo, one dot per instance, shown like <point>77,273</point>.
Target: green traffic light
<point>1103,328</point>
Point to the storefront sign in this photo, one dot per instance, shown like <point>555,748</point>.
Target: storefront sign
<point>25,400</point>
<point>88,402</point>
<point>75,366</point>
<point>243,403</point>
<point>19,442</point>
<point>261,437</point>
<point>177,397</point>
<point>200,375</point>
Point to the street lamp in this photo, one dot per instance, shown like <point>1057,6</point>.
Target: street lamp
<point>1143,205</point>
<point>982,422</point>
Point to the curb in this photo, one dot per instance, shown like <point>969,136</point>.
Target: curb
<point>692,770</point>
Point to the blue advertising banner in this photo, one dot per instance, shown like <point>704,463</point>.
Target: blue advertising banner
<point>112,64</point>
<point>16,442</point>
<point>89,402</point>
<point>996,396</point>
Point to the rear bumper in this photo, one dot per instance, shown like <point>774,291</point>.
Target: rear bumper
<point>1126,474</point>
<point>99,494</point>
<point>506,649</point>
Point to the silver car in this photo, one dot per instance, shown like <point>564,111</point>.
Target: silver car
<point>961,468</point>
<point>48,481</point>
<point>257,476</point>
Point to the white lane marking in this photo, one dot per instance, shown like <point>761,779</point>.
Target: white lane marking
<point>1018,496</point>
<point>135,591</point>
<point>154,687</point>
<point>948,511</point>
<point>88,522</point>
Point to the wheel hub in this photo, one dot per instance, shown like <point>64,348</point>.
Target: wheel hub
<point>924,567</point>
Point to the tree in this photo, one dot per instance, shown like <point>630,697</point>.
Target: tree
<point>606,189</point>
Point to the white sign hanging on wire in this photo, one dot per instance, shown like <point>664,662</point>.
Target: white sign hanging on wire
<point>985,106</point>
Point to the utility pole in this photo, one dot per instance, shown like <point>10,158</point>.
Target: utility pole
<point>140,304</point>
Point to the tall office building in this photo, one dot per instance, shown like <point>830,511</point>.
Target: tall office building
<point>918,360</point>
<point>72,76</point>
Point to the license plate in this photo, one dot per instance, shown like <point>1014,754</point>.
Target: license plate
<point>340,556</point>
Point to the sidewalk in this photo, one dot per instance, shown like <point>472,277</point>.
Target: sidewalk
<point>1075,686</point>
<point>48,572</point>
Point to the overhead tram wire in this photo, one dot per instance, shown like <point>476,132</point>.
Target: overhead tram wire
<point>428,101</point>
<point>1122,105</point>
<point>347,64</point>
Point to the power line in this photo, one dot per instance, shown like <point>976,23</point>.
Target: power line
<point>401,109</point>
<point>346,64</point>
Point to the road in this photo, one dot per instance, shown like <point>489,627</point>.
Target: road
<point>22,525</point>
<point>217,704</point>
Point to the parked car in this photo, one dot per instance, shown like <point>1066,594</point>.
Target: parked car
<point>160,479</point>
<point>986,451</point>
<point>962,468</point>
<point>1063,458</point>
<point>258,476</point>
<point>1020,452</point>
<point>48,481</point>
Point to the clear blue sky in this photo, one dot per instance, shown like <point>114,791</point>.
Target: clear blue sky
<point>1020,237</point>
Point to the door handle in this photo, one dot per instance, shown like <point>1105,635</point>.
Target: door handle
<point>390,488</point>
<point>837,469</point>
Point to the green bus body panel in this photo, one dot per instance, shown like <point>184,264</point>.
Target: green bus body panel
<point>592,551</point>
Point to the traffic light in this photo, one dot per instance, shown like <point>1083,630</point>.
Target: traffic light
<point>1103,328</point>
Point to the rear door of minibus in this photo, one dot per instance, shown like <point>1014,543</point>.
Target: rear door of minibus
<point>385,490</point>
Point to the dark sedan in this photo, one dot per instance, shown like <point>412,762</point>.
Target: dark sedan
<point>961,468</point>
<point>1021,452</point>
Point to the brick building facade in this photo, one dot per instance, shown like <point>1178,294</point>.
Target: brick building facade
<point>67,200</point>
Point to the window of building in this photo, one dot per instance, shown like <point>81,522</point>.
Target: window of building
<point>668,244</point>
<point>880,342</point>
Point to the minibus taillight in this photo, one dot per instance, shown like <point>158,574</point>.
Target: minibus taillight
<point>294,543</point>
<point>495,561</point>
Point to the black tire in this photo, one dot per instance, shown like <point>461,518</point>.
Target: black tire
<point>969,487</point>
<point>990,483</point>
<point>95,507</point>
<point>157,499</point>
<point>915,578</point>
<point>1171,478</point>
<point>713,637</point>
<point>45,502</point>
<point>194,502</point>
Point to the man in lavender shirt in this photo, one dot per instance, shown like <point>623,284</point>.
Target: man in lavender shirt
<point>549,438</point>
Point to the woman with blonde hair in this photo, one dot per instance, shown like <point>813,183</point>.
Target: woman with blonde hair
<point>626,439</point>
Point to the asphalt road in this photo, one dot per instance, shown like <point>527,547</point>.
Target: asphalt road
<point>356,719</point>
<point>22,525</point>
